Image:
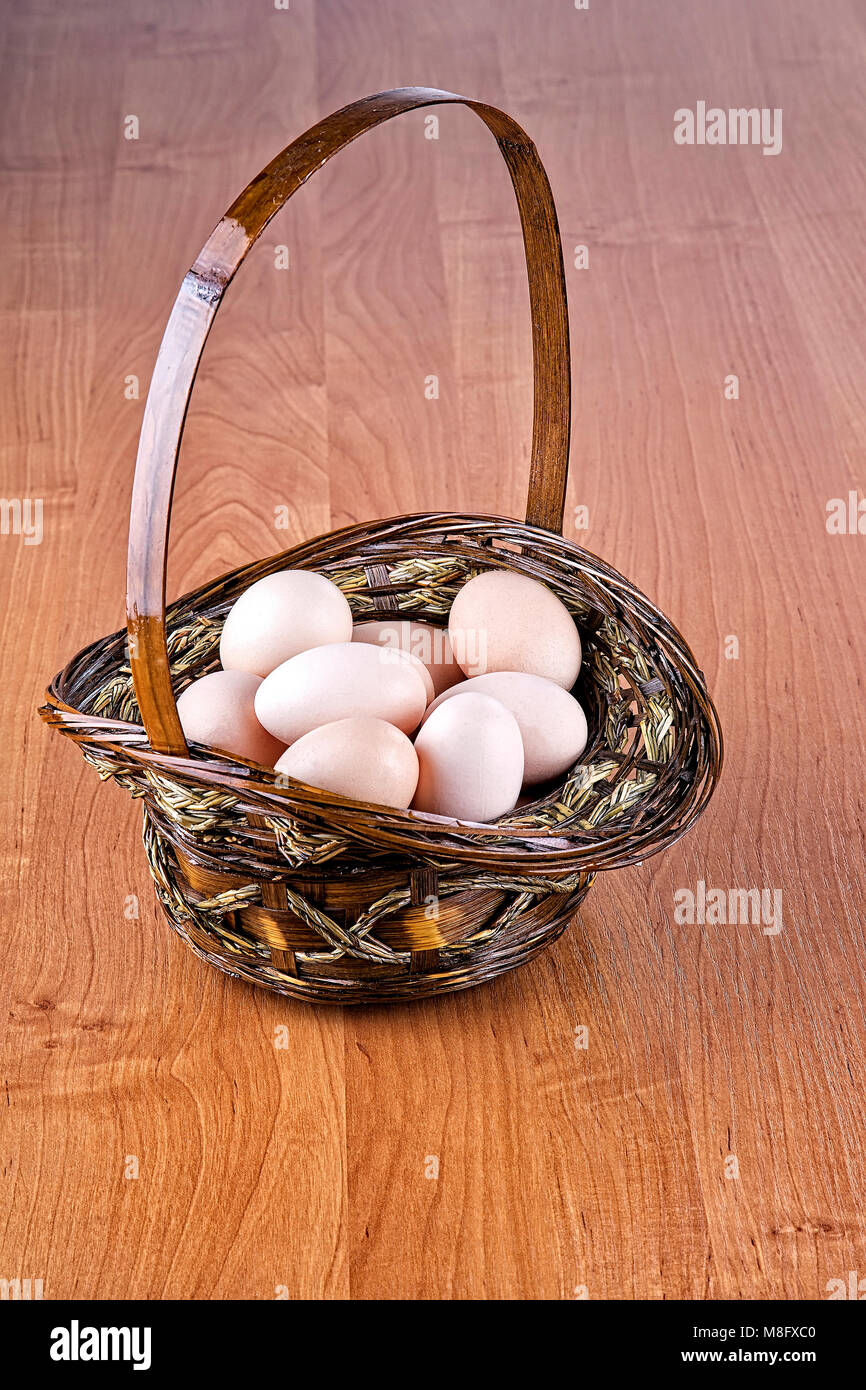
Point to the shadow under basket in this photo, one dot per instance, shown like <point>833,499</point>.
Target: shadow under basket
<point>304,892</point>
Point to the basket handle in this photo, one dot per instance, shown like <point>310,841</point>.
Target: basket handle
<point>194,311</point>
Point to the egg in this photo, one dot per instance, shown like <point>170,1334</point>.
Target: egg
<point>364,759</point>
<point>551,722</point>
<point>280,616</point>
<point>431,645</point>
<point>340,681</point>
<point>470,759</point>
<point>219,710</point>
<point>504,621</point>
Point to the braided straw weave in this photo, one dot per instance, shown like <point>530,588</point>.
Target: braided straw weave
<point>300,890</point>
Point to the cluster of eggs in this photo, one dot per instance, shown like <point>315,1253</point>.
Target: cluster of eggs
<point>452,722</point>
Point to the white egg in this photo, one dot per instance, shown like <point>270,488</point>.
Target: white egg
<point>470,759</point>
<point>280,616</point>
<point>505,621</point>
<point>340,681</point>
<point>364,759</point>
<point>219,710</point>
<point>551,722</point>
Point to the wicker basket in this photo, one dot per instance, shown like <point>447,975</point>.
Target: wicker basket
<point>305,892</point>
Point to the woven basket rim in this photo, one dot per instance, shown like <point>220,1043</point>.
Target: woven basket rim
<point>545,848</point>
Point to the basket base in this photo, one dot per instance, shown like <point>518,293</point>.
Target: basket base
<point>420,976</point>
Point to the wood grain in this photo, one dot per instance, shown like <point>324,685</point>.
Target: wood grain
<point>560,1168</point>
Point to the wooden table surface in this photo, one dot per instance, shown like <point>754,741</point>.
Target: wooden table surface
<point>708,1140</point>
